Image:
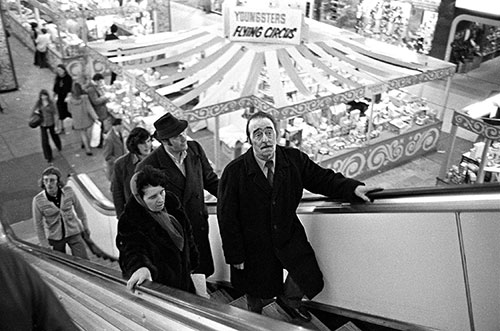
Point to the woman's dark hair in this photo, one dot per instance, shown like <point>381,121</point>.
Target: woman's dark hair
<point>76,90</point>
<point>261,114</point>
<point>97,77</point>
<point>63,67</point>
<point>137,136</point>
<point>150,176</point>
<point>38,104</point>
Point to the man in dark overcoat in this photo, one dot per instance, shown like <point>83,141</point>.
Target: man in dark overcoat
<point>188,172</point>
<point>259,193</point>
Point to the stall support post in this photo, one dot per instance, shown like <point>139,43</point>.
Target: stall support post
<point>421,90</point>
<point>484,159</point>
<point>37,15</point>
<point>20,12</point>
<point>370,121</point>
<point>217,151</point>
<point>446,97</point>
<point>155,21</point>
<point>449,153</point>
<point>60,47</point>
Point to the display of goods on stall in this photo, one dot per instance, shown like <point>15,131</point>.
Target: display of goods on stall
<point>321,83</point>
<point>72,23</point>
<point>409,23</point>
<point>481,163</point>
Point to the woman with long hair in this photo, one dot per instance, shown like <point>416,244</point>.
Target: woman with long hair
<point>46,107</point>
<point>83,114</point>
<point>62,86</point>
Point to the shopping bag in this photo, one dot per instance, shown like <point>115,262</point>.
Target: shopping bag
<point>95,134</point>
<point>35,119</point>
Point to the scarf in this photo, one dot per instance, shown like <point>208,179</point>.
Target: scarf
<point>168,222</point>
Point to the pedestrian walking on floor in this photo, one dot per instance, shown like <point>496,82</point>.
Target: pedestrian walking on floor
<point>139,145</point>
<point>34,34</point>
<point>83,115</point>
<point>189,173</point>
<point>98,101</point>
<point>259,193</point>
<point>114,146</point>
<point>47,108</point>
<point>54,216</point>
<point>63,84</point>
<point>42,45</point>
<point>112,36</point>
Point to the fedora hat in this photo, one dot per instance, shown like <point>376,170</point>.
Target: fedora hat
<point>168,126</point>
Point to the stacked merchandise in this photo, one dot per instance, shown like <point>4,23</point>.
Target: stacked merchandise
<point>134,107</point>
<point>346,126</point>
<point>466,172</point>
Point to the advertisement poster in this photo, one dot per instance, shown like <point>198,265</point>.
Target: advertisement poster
<point>8,80</point>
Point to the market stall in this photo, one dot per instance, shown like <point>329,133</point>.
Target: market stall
<point>72,23</point>
<point>482,162</point>
<point>314,87</point>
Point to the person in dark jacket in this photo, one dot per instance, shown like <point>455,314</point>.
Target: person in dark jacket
<point>188,172</point>
<point>112,36</point>
<point>28,303</point>
<point>46,107</point>
<point>259,193</point>
<point>63,84</point>
<point>154,236</point>
<point>113,146</point>
<point>139,146</point>
<point>98,101</point>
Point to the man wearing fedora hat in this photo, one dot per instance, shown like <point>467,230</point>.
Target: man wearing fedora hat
<point>188,172</point>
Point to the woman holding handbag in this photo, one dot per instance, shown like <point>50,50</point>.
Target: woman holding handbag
<point>47,109</point>
<point>83,114</point>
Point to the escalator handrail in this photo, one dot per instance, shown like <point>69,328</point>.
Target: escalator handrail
<point>227,315</point>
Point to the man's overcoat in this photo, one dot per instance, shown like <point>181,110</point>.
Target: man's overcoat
<point>259,225</point>
<point>189,190</point>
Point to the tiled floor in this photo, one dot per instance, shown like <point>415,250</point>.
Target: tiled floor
<point>21,160</point>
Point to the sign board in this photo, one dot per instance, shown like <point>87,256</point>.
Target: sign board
<point>268,25</point>
<point>491,7</point>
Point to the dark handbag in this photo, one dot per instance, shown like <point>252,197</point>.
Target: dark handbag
<point>36,119</point>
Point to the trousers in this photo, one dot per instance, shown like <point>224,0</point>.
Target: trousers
<point>292,296</point>
<point>76,244</point>
<point>47,150</point>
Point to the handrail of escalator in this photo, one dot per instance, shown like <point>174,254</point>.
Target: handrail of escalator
<point>97,199</point>
<point>224,315</point>
<point>437,198</point>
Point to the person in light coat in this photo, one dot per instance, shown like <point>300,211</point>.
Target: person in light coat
<point>54,216</point>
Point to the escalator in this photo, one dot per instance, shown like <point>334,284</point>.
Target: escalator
<point>409,261</point>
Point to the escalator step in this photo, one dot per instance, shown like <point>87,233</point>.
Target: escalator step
<point>241,302</point>
<point>221,296</point>
<point>274,311</point>
<point>349,326</point>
